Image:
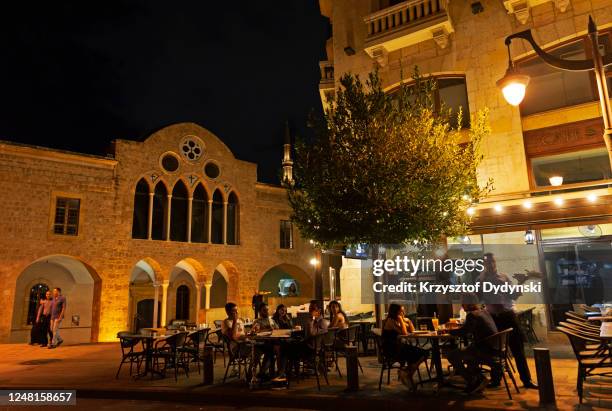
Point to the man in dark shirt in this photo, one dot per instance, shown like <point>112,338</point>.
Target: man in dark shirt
<point>480,325</point>
<point>256,302</point>
<point>58,309</point>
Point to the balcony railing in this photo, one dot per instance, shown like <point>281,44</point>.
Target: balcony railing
<point>406,13</point>
<point>407,23</point>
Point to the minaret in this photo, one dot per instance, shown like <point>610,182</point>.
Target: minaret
<point>287,162</point>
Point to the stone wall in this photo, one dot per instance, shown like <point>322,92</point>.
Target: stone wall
<point>31,178</point>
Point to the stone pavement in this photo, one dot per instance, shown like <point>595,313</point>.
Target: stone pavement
<point>90,369</point>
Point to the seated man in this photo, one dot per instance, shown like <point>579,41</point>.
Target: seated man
<point>233,328</point>
<point>265,323</point>
<point>480,325</point>
<point>317,324</point>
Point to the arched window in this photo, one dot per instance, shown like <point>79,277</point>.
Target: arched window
<point>36,293</point>
<point>141,210</point>
<point>160,205</point>
<point>178,212</point>
<point>217,218</point>
<point>182,303</point>
<point>232,219</point>
<point>199,215</point>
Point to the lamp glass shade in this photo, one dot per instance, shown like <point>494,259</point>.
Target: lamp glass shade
<point>529,237</point>
<point>513,86</point>
<point>556,181</point>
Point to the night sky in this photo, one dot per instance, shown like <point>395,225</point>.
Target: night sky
<point>77,74</point>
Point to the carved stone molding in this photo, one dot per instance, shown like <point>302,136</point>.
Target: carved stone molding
<point>522,8</point>
<point>441,37</point>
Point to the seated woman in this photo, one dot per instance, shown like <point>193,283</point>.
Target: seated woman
<point>282,319</point>
<point>337,317</point>
<point>408,355</point>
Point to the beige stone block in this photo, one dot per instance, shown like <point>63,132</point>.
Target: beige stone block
<point>565,28</point>
<point>581,6</point>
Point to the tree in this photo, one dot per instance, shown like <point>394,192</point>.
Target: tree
<point>386,168</point>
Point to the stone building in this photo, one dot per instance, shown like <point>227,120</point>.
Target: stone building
<point>547,158</point>
<point>169,228</point>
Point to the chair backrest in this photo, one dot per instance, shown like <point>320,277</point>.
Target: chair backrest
<point>349,335</point>
<point>577,341</point>
<point>579,330</point>
<point>499,341</point>
<point>218,323</point>
<point>127,341</point>
<point>330,336</point>
<point>583,324</point>
<point>574,314</point>
<point>199,336</point>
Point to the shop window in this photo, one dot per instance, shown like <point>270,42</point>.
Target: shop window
<point>199,215</point>
<point>232,219</point>
<point>37,292</point>
<point>182,303</point>
<point>66,220</point>
<point>551,88</point>
<point>140,219</point>
<point>178,212</point>
<point>286,234</point>
<point>575,167</point>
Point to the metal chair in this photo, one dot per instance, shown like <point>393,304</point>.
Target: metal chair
<point>239,356</point>
<point>215,340</point>
<point>499,343</point>
<point>347,337</point>
<point>169,349</point>
<point>586,366</point>
<point>193,346</point>
<point>128,353</point>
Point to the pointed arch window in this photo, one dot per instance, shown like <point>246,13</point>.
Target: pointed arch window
<point>160,207</point>
<point>199,215</point>
<point>233,216</point>
<point>179,212</point>
<point>217,218</point>
<point>140,220</point>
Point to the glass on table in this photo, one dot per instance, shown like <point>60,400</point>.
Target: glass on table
<point>423,327</point>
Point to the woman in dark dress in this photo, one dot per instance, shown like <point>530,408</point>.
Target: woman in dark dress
<point>40,327</point>
<point>408,355</point>
<point>282,319</point>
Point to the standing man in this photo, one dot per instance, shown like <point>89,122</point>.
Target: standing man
<point>501,308</point>
<point>256,302</point>
<point>58,309</point>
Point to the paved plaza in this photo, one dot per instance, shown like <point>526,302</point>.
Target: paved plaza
<point>90,369</point>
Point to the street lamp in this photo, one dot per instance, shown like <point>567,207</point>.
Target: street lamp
<point>514,84</point>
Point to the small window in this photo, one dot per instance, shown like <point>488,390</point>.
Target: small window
<point>211,170</point>
<point>286,234</point>
<point>66,220</point>
<point>576,167</point>
<point>170,162</point>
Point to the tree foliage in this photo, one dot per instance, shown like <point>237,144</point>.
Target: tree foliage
<point>386,167</point>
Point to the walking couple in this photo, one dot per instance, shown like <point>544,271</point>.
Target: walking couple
<point>49,316</point>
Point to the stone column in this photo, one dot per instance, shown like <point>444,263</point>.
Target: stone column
<point>225,222</point>
<point>155,304</point>
<point>189,209</point>
<point>164,285</point>
<point>150,217</point>
<point>207,285</point>
<point>209,228</point>
<point>198,288</point>
<point>168,214</point>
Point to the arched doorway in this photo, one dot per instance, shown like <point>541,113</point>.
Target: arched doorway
<point>143,293</point>
<point>287,284</point>
<point>182,292</point>
<point>79,283</point>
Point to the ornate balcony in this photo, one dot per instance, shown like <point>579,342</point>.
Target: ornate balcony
<point>406,24</point>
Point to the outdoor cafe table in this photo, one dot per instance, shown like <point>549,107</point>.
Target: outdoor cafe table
<point>148,342</point>
<point>363,323</point>
<point>606,331</point>
<point>436,356</point>
<point>266,338</point>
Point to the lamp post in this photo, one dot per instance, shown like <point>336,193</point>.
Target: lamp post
<point>514,84</point>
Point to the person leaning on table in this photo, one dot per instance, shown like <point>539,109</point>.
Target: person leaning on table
<point>466,361</point>
<point>501,308</point>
